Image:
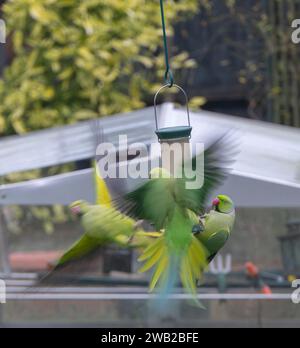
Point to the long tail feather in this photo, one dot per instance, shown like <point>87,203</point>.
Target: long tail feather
<point>153,260</point>
<point>189,266</point>
<point>151,249</point>
<point>162,266</point>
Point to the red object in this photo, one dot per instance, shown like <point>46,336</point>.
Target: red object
<point>266,290</point>
<point>33,261</point>
<point>252,270</point>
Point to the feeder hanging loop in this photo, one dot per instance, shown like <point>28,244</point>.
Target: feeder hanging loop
<point>180,89</point>
<point>180,133</point>
<point>177,132</point>
<point>169,78</point>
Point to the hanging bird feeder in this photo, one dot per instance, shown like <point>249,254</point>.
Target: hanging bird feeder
<point>180,134</point>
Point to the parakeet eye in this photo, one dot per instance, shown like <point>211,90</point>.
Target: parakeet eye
<point>197,229</point>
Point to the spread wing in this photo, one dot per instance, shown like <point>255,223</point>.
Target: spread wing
<point>79,249</point>
<point>156,199</point>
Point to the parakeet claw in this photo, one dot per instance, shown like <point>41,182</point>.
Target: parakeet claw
<point>197,229</point>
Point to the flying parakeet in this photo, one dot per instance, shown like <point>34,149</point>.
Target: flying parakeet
<point>103,225</point>
<point>169,205</point>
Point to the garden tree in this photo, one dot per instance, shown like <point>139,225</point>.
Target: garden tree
<point>76,60</point>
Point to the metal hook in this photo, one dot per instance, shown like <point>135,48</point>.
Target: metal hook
<point>186,100</point>
<point>169,78</point>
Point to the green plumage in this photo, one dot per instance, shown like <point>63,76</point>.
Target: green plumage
<point>185,243</point>
<point>217,229</point>
<point>103,225</point>
<point>170,206</point>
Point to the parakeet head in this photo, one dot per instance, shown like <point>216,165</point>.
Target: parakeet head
<point>159,173</point>
<point>78,208</point>
<point>223,204</point>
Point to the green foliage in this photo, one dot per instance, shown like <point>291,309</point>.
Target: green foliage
<point>76,60</point>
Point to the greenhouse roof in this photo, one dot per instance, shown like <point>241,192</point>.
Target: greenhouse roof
<point>266,173</point>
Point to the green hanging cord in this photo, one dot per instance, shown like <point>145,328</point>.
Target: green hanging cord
<point>168,74</point>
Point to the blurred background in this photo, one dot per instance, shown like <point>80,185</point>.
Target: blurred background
<point>66,63</point>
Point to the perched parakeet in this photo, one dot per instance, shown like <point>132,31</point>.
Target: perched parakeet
<point>216,226</point>
<point>169,205</point>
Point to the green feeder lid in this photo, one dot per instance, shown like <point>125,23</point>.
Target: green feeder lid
<point>171,133</point>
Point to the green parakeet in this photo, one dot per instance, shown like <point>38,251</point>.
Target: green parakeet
<point>167,202</point>
<point>216,226</point>
<point>103,225</point>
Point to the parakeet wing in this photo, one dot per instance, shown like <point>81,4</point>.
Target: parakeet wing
<point>103,196</point>
<point>153,201</point>
<point>216,241</point>
<point>79,249</point>
<point>217,161</point>
<point>157,198</point>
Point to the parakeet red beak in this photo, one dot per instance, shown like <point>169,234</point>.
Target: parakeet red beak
<point>76,210</point>
<point>215,202</point>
